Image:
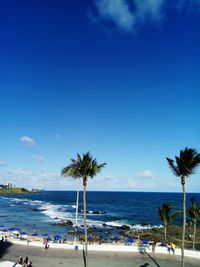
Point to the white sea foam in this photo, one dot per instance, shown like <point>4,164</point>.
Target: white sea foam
<point>56,211</point>
<point>133,227</point>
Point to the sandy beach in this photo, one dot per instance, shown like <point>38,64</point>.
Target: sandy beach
<point>67,257</point>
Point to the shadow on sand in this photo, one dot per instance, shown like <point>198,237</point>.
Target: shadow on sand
<point>142,250</point>
<point>4,247</point>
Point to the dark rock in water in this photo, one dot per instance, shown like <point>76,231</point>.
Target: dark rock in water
<point>68,222</point>
<point>72,232</point>
<point>125,227</point>
<point>64,223</point>
<point>93,227</point>
<point>35,209</point>
<point>104,224</point>
<point>56,218</point>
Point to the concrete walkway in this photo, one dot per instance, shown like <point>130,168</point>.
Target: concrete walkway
<point>71,258</point>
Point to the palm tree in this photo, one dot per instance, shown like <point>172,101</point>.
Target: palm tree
<point>194,212</point>
<point>82,168</point>
<point>166,216</point>
<point>183,167</point>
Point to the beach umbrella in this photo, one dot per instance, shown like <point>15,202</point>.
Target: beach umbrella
<point>23,233</point>
<point>34,234</point>
<point>14,229</point>
<point>90,238</point>
<point>4,230</point>
<point>58,237</point>
<point>45,235</point>
<point>130,240</point>
<point>2,226</point>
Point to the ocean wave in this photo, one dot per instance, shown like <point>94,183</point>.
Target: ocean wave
<point>132,226</point>
<point>24,201</point>
<point>94,212</point>
<point>56,212</point>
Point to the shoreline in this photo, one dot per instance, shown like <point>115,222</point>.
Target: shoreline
<point>104,247</point>
<point>69,257</point>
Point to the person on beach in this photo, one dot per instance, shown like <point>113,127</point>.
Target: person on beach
<point>29,264</point>
<point>153,246</point>
<point>26,261</point>
<point>20,261</point>
<point>173,246</point>
<point>169,247</point>
<point>28,240</point>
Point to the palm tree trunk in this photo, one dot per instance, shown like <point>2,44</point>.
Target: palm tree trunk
<point>194,235</point>
<point>184,221</point>
<point>165,232</point>
<point>85,224</point>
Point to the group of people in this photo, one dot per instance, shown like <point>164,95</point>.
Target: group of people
<point>25,262</point>
<point>171,247</point>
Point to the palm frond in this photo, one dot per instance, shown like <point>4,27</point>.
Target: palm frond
<point>173,167</point>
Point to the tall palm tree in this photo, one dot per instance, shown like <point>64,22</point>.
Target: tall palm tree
<point>82,168</point>
<point>184,166</point>
<point>194,212</point>
<point>166,216</point>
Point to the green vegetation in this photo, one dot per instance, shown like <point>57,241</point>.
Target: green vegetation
<point>82,168</point>
<point>194,212</point>
<point>166,216</point>
<point>183,167</point>
<point>17,190</point>
<point>174,234</point>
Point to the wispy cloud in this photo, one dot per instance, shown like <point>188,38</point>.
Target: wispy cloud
<point>117,11</point>
<point>38,158</point>
<point>146,174</point>
<point>129,15</point>
<point>30,179</point>
<point>27,140</point>
<point>2,163</point>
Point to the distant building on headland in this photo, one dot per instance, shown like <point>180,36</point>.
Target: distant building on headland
<point>7,185</point>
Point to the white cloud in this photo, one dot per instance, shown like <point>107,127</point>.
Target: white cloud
<point>146,174</point>
<point>151,9</point>
<point>27,140</point>
<point>117,11</point>
<point>30,179</point>
<point>2,163</point>
<point>128,15</point>
<point>38,158</point>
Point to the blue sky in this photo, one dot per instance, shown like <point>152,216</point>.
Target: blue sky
<point>118,78</point>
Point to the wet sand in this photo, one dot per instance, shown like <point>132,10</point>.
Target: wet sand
<point>71,258</point>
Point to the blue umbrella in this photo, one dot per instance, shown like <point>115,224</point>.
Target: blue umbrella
<point>90,238</point>
<point>130,240</point>
<point>45,235</point>
<point>34,235</point>
<point>145,241</point>
<point>23,233</point>
<point>12,229</point>
<point>3,230</point>
<point>58,237</point>
<point>1,226</point>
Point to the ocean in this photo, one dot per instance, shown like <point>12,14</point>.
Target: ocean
<point>37,212</point>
